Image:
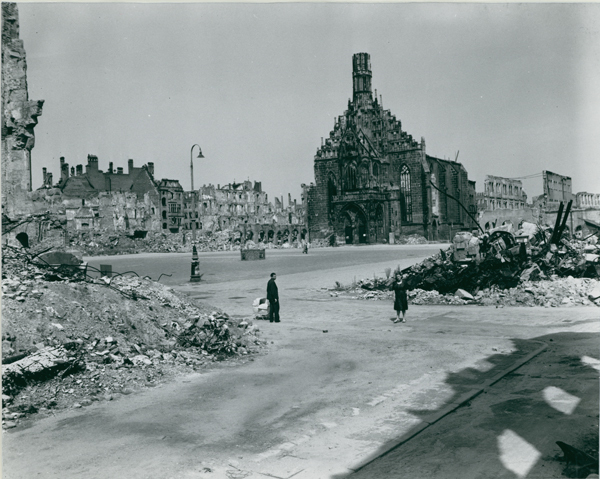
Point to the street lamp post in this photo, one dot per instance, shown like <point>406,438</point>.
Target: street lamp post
<point>193,217</point>
<point>195,273</point>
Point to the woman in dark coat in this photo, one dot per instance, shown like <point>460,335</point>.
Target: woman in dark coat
<point>400,299</point>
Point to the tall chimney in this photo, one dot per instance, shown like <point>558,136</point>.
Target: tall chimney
<point>151,168</point>
<point>130,166</point>
<point>72,171</point>
<point>110,167</point>
<point>79,170</point>
<point>92,164</point>
<point>64,170</point>
<point>44,176</point>
<point>49,179</point>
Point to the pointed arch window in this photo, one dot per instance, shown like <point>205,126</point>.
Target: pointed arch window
<point>364,176</point>
<point>351,181</point>
<point>405,189</point>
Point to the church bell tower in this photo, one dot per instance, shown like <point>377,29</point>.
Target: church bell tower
<point>361,76</point>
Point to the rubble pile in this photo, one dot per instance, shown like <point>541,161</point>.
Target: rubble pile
<point>67,342</point>
<point>100,243</point>
<point>500,261</point>
<point>411,239</point>
<point>320,243</point>
<point>111,243</point>
<point>555,292</point>
<point>374,284</point>
<point>544,270</point>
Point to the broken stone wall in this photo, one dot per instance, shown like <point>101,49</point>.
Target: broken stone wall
<point>576,224</point>
<point>46,229</point>
<point>489,219</point>
<point>19,116</point>
<point>128,212</point>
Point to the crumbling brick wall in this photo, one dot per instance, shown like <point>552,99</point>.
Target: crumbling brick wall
<point>19,115</point>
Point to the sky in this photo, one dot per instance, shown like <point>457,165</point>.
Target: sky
<point>512,89</point>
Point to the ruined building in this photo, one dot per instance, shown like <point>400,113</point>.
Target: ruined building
<point>374,181</point>
<point>557,189</point>
<point>77,183</point>
<point>245,209</point>
<point>19,115</point>
<point>501,193</point>
<point>172,204</point>
<point>133,201</point>
<point>587,200</point>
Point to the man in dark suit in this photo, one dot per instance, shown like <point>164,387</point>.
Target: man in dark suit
<point>273,297</point>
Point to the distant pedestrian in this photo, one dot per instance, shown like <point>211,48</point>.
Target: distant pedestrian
<point>400,299</point>
<point>273,297</point>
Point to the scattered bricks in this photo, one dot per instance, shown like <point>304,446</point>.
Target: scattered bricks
<point>141,359</point>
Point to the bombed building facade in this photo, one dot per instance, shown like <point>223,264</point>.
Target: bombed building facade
<point>244,208</point>
<point>375,182</point>
<point>557,189</point>
<point>74,182</point>
<point>133,201</point>
<point>501,193</point>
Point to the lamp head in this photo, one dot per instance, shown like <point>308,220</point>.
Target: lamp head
<point>200,155</point>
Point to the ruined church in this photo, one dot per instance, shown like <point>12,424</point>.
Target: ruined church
<point>374,182</point>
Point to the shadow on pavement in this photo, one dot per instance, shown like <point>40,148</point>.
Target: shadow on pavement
<point>501,425</point>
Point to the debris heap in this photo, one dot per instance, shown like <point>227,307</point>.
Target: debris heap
<point>68,341</point>
<point>535,267</point>
<point>100,243</point>
<point>504,263</point>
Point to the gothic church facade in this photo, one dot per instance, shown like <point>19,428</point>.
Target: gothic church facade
<point>374,182</point>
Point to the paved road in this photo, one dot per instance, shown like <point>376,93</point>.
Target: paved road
<point>225,266</point>
<point>339,386</point>
<point>510,429</point>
